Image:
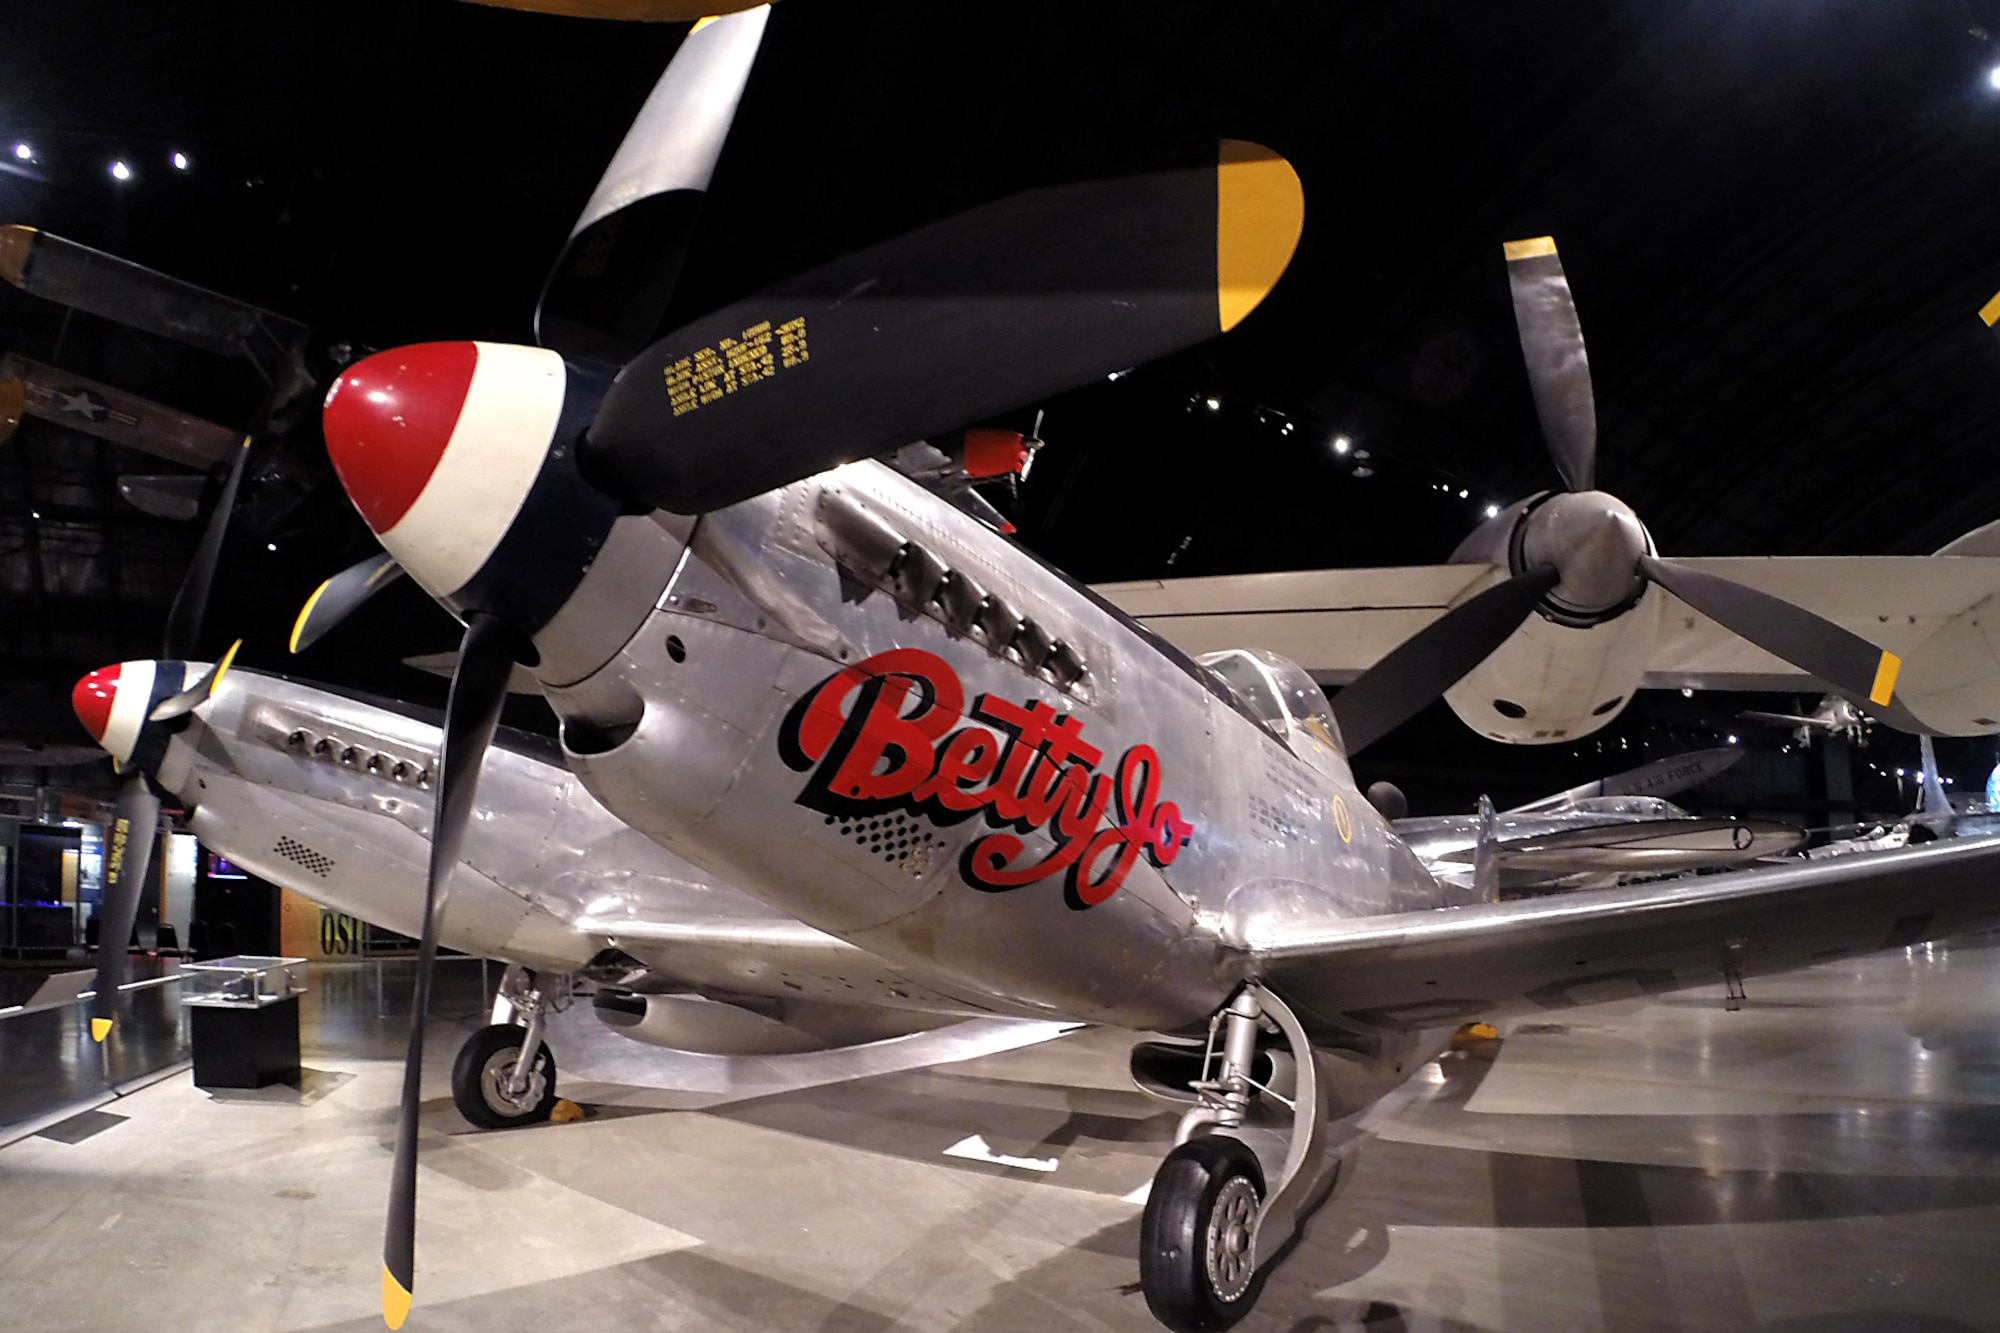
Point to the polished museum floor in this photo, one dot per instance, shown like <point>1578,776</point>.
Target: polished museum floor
<point>1826,1160</point>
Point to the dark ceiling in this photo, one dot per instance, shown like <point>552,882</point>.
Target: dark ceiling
<point>1778,216</point>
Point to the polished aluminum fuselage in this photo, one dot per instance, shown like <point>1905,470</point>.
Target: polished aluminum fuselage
<point>330,796</point>
<point>700,733</point>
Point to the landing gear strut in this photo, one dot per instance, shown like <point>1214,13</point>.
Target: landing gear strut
<point>1211,1232</point>
<point>505,1074</point>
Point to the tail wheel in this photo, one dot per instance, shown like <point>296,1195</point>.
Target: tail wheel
<point>1196,1260</point>
<point>480,1076</point>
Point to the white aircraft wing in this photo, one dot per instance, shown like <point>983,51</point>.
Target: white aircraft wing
<point>1895,601</point>
<point>1436,968</point>
<point>1339,622</point>
<point>1336,623</point>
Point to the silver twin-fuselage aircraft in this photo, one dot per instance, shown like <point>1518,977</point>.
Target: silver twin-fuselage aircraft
<point>902,737</point>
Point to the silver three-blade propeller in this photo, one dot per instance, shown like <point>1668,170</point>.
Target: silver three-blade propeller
<point>1583,556</point>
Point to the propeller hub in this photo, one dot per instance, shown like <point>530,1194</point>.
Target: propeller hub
<point>1594,542</point>
<point>114,702</point>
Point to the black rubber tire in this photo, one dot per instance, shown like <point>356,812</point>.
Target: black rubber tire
<point>485,1055</point>
<point>1174,1234</point>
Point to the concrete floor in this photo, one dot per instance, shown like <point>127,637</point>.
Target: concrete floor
<point>1825,1160</point>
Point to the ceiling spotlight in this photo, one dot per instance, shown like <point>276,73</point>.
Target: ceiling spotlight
<point>1215,404</point>
<point>1341,444</point>
<point>120,172</point>
<point>1732,740</point>
<point>1993,76</point>
<point>1287,429</point>
<point>1687,691</point>
<point>270,546</point>
<point>1492,511</point>
<point>25,153</point>
<point>1464,494</point>
<point>180,161</point>
<point>1899,772</point>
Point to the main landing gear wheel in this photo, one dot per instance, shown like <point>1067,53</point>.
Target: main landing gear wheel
<point>1197,1265</point>
<point>483,1070</point>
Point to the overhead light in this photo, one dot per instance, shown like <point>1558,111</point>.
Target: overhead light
<point>120,172</point>
<point>1732,740</point>
<point>270,546</point>
<point>180,161</point>
<point>1214,404</point>
<point>1687,691</point>
<point>1341,444</point>
<point>1993,76</point>
<point>1464,494</point>
<point>1899,772</point>
<point>34,513</point>
<point>25,153</point>
<point>1287,430</point>
<point>1492,511</point>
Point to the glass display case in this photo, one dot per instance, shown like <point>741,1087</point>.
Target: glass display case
<point>244,1015</point>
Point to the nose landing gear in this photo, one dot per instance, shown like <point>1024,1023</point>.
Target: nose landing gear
<point>1211,1233</point>
<point>505,1074</point>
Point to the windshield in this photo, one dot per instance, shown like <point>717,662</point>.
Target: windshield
<point>1278,692</point>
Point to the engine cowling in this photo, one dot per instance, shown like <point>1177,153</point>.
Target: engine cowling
<point>1574,665</point>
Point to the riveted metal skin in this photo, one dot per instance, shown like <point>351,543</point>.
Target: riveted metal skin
<point>714,771</point>
<point>553,880</point>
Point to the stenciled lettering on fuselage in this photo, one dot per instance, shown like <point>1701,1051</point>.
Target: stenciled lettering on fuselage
<point>879,737</point>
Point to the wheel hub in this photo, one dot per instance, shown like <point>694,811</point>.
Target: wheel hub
<point>496,1074</point>
<point>1231,1228</point>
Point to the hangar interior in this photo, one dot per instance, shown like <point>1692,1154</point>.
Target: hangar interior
<point>1772,217</point>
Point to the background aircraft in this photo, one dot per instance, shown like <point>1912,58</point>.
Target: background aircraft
<point>1612,831</point>
<point>1557,608</point>
<point>1834,716</point>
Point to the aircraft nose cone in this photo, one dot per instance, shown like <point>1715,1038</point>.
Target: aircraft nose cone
<point>92,699</point>
<point>389,419</point>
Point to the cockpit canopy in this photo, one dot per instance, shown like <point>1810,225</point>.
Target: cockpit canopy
<point>1278,694</point>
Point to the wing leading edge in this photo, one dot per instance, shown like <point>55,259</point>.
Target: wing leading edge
<point>1432,969</point>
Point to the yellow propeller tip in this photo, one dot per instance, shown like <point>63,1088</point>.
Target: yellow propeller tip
<point>100,1028</point>
<point>228,660</point>
<point>1260,212</point>
<point>1990,312</point>
<point>1884,688</point>
<point>1531,248</point>
<point>395,1301</point>
<point>305,614</point>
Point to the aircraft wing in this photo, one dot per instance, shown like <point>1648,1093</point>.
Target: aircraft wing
<point>1436,968</point>
<point>1336,623</point>
<point>1339,622</point>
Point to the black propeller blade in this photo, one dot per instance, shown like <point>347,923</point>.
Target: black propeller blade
<point>337,598</point>
<point>955,322</point>
<point>190,606</point>
<point>606,295</point>
<point>128,857</point>
<point>1429,662</point>
<point>1558,369</point>
<point>1840,657</point>
<point>478,689</point>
